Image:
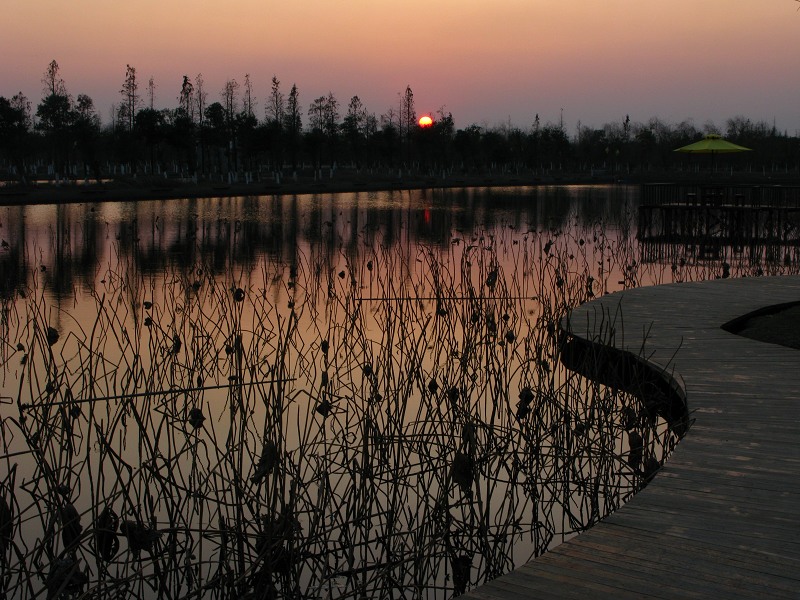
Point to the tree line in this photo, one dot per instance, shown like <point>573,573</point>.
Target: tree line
<point>228,135</point>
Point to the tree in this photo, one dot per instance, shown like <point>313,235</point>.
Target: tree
<point>186,98</point>
<point>316,114</point>
<point>316,122</point>
<point>130,98</point>
<point>246,123</point>
<point>54,110</point>
<point>149,128</point>
<point>275,104</point>
<point>323,115</point>
<point>151,93</point>
<point>230,101</point>
<point>55,118</point>
<point>84,106</point>
<point>248,101</point>
<point>354,126</point>
<point>443,132</point>
<point>14,130</point>
<point>293,123</point>
<point>331,122</point>
<point>214,131</point>
<point>54,114</point>
<point>200,97</point>
<point>53,83</point>
<point>467,144</point>
<point>181,131</point>
<point>86,131</point>
<point>390,136</point>
<point>408,115</point>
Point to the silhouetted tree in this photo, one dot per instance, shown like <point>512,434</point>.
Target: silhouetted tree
<point>276,104</point>
<point>316,134</point>
<point>246,136</point>
<point>467,145</point>
<point>275,120</point>
<point>644,147</point>
<point>353,128</point>
<point>186,98</point>
<point>200,97</point>
<point>149,128</point>
<point>53,82</point>
<point>151,93</point>
<point>444,129</point>
<point>14,131</point>
<point>408,117</point>
<point>323,117</point>
<point>293,124</point>
<point>389,137</point>
<point>86,127</point>
<point>248,99</point>
<point>130,98</point>
<point>215,131</point>
<point>55,116</point>
<point>181,135</point>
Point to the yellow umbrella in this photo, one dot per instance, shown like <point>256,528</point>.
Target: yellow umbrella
<point>712,144</point>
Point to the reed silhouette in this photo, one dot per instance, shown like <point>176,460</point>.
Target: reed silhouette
<point>336,412</point>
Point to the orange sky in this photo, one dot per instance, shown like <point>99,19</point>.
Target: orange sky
<point>486,62</point>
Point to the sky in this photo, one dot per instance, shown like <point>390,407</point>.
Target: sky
<point>488,62</point>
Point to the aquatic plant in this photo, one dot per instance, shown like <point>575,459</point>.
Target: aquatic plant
<point>361,418</point>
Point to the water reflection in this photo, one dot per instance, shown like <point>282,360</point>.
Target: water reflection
<point>72,242</point>
<point>311,396</point>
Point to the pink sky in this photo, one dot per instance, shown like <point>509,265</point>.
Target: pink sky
<point>485,61</point>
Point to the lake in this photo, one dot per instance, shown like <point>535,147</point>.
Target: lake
<point>316,396</point>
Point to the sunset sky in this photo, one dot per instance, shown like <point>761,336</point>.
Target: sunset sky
<point>485,61</point>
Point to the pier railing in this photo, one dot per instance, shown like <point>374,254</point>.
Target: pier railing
<point>713,194</point>
<point>756,223</point>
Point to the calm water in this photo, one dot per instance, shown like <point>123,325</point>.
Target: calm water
<point>315,396</point>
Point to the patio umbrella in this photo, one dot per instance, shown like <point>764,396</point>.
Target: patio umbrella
<point>712,144</point>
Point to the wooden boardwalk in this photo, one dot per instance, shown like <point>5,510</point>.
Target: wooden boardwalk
<point>722,517</point>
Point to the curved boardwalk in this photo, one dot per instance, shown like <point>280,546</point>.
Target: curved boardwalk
<point>722,517</point>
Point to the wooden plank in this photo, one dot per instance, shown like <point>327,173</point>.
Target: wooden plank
<point>720,518</point>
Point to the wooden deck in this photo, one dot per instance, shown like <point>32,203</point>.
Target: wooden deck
<point>722,517</point>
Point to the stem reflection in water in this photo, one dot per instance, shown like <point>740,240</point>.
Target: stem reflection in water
<point>315,396</point>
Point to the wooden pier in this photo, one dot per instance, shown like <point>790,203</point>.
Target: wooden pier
<point>721,519</point>
<point>716,220</point>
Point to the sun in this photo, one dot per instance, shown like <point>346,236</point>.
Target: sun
<point>425,121</point>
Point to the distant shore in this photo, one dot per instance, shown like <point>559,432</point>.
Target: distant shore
<point>153,188</point>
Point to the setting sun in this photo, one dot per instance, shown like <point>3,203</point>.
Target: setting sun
<point>425,121</point>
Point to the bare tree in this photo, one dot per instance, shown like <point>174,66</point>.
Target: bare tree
<point>407,113</point>
<point>186,98</point>
<point>200,97</point>
<point>248,101</point>
<point>316,114</point>
<point>130,98</point>
<point>331,119</point>
<point>151,93</point>
<point>276,104</point>
<point>356,116</point>
<point>230,100</point>
<point>53,84</point>
<point>293,123</point>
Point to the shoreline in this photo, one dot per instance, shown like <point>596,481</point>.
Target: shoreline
<point>154,188</point>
